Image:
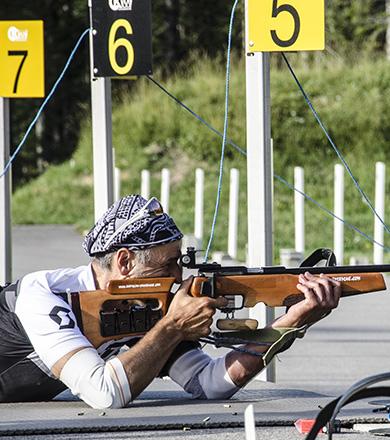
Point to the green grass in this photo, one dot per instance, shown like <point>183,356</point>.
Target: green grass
<point>150,131</point>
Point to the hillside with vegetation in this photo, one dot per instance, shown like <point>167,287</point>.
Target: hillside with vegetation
<point>354,29</point>
<point>150,131</point>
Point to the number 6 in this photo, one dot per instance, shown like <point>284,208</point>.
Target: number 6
<point>276,10</point>
<point>115,44</point>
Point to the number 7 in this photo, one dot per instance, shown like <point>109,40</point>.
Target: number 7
<point>15,53</point>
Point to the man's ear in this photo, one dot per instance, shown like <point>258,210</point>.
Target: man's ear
<point>125,261</point>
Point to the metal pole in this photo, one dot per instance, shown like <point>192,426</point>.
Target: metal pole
<point>102,145</point>
<point>145,184</point>
<point>199,204</point>
<point>103,165</point>
<point>117,184</point>
<point>338,226</point>
<point>233,212</point>
<point>5,196</point>
<point>260,179</point>
<point>117,178</point>
<point>299,205</point>
<point>165,178</point>
<point>380,188</point>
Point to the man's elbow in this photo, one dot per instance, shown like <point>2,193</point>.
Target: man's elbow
<point>104,401</point>
<point>101,385</point>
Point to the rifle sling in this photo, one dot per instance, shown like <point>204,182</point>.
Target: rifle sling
<point>278,339</point>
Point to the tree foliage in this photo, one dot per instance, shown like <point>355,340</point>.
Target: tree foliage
<point>356,26</point>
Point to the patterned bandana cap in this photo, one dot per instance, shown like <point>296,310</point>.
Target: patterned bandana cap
<point>109,233</point>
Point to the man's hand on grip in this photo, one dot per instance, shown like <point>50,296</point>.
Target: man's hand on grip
<point>190,316</point>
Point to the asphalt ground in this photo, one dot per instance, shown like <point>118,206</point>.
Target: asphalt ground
<point>350,344</point>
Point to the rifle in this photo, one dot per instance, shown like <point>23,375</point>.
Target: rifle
<point>131,307</point>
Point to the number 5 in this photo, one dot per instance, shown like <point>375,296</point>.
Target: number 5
<point>276,10</point>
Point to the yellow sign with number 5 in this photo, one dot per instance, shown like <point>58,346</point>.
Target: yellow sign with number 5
<point>22,59</point>
<point>286,25</point>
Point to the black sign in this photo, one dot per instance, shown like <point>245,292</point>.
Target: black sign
<point>122,38</point>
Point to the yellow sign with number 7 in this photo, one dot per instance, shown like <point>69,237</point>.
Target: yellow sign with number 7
<point>22,72</point>
<point>286,25</point>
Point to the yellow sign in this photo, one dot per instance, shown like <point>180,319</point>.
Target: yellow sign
<point>22,59</point>
<point>286,25</point>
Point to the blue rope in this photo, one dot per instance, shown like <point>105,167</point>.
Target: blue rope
<point>307,99</point>
<point>9,163</point>
<point>225,129</point>
<point>240,150</point>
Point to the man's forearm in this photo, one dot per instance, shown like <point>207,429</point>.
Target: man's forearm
<point>144,361</point>
<point>243,367</point>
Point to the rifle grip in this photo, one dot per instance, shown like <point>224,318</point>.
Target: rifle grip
<point>197,286</point>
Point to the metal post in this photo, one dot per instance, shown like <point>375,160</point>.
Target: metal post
<point>338,228</point>
<point>103,165</point>
<point>145,184</point>
<point>5,196</point>
<point>233,212</point>
<point>299,205</point>
<point>380,189</point>
<point>102,145</point>
<point>260,179</point>
<point>117,184</point>
<point>165,178</point>
<point>117,178</point>
<point>199,204</point>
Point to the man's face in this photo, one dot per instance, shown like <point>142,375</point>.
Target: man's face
<point>164,261</point>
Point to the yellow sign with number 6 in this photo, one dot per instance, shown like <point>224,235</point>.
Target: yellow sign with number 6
<point>22,59</point>
<point>286,25</point>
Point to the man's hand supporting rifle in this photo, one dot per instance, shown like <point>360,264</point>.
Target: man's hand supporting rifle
<point>321,295</point>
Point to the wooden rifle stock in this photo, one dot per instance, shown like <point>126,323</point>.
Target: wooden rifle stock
<point>126,308</point>
<point>131,307</point>
<point>276,290</point>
